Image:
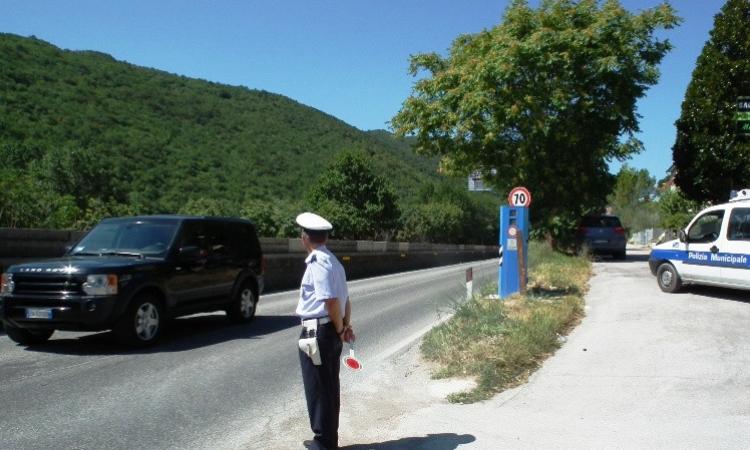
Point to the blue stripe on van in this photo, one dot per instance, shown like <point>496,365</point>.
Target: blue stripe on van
<point>734,260</point>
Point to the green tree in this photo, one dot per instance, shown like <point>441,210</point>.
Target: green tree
<point>545,98</point>
<point>285,214</point>
<point>26,202</point>
<point>272,218</point>
<point>203,206</point>
<point>109,134</point>
<point>436,221</point>
<point>676,210</point>
<point>98,209</point>
<point>262,214</point>
<point>446,212</point>
<point>19,156</point>
<point>80,173</point>
<point>360,204</point>
<point>632,199</point>
<point>708,159</point>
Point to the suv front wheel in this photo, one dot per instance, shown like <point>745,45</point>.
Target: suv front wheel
<point>27,337</point>
<point>142,323</point>
<point>242,308</point>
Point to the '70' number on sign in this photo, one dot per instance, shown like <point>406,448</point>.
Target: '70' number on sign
<point>519,197</point>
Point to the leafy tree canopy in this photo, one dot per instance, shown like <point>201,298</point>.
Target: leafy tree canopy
<point>633,199</point>
<point>544,98</point>
<point>362,204</point>
<point>676,210</point>
<point>84,136</point>
<point>29,202</point>
<point>448,213</point>
<point>708,158</point>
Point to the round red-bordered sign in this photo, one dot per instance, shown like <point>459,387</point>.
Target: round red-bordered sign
<point>350,361</point>
<point>519,196</point>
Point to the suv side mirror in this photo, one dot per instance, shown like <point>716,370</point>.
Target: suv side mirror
<point>683,236</point>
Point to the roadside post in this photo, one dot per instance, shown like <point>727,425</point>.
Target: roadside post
<point>514,239</point>
<point>469,283</point>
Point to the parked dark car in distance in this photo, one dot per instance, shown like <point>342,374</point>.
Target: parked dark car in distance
<point>131,274</point>
<point>602,234</point>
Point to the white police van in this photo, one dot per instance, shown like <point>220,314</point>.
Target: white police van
<point>713,250</point>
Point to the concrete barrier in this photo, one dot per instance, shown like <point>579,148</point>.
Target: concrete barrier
<point>284,257</point>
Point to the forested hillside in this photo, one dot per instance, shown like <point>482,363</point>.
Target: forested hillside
<point>83,136</point>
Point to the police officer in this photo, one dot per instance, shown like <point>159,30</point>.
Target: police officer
<point>325,310</point>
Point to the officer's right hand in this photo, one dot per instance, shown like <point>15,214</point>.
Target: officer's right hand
<point>349,336</point>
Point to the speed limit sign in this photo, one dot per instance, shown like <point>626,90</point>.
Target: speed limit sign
<point>519,196</point>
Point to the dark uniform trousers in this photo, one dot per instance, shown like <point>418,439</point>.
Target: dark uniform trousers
<point>322,388</point>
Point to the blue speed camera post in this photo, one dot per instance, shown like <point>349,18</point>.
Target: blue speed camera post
<point>514,240</point>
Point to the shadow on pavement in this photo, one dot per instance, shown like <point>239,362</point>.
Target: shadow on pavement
<point>442,441</point>
<point>629,258</point>
<point>179,335</point>
<point>734,295</point>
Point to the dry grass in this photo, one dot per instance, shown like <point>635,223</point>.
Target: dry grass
<point>502,342</point>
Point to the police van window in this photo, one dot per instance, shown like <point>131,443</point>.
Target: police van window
<point>739,225</point>
<point>706,228</point>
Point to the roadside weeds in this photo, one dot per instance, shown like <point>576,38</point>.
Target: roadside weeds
<point>501,343</point>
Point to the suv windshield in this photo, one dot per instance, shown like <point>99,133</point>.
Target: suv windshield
<point>136,237</point>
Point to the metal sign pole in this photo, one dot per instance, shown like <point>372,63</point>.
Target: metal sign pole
<point>521,263</point>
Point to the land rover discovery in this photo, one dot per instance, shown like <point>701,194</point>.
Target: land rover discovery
<point>130,274</point>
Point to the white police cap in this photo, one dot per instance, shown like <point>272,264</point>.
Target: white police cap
<point>314,222</point>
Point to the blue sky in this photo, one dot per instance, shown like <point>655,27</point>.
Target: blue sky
<point>347,58</point>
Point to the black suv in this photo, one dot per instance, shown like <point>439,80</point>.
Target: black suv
<point>129,274</point>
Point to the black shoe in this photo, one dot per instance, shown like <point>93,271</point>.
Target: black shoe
<point>313,444</point>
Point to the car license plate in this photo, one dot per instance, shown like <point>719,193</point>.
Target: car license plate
<point>600,241</point>
<point>39,313</point>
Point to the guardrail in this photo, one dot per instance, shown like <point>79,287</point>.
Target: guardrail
<point>284,257</point>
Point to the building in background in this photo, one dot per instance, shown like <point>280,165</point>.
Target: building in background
<point>476,183</point>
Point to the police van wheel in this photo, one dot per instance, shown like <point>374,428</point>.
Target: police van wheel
<point>668,278</point>
<point>27,337</point>
<point>244,305</point>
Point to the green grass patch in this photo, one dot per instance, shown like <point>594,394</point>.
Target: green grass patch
<point>501,343</point>
<point>554,272</point>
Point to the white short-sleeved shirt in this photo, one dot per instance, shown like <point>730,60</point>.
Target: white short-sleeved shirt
<point>324,278</point>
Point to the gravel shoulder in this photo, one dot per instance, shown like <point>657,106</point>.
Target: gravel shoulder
<point>643,370</point>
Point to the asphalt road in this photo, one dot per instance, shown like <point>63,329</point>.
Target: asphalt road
<point>209,384</point>
<point>643,370</point>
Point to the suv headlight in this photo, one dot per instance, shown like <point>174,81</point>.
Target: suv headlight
<point>6,284</point>
<point>100,285</point>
